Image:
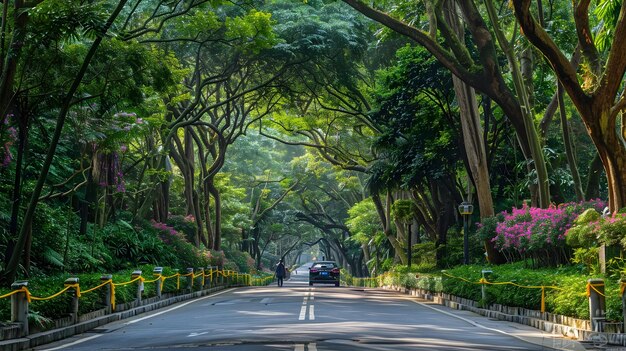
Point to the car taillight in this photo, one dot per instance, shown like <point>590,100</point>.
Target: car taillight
<point>313,270</point>
<point>335,270</point>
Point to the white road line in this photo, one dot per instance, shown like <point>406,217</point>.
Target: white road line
<point>311,312</point>
<point>302,313</point>
<point>312,347</point>
<point>304,301</point>
<point>196,334</point>
<point>74,343</point>
<point>266,300</point>
<point>177,307</point>
<point>299,347</point>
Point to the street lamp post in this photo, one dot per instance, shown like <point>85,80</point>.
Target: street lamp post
<point>466,209</point>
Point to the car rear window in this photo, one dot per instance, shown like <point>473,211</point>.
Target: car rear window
<point>324,265</point>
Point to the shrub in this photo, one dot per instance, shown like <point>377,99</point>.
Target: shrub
<point>582,233</point>
<point>534,232</point>
<point>186,254</point>
<point>569,299</point>
<point>217,258</point>
<point>185,224</point>
<point>245,263</point>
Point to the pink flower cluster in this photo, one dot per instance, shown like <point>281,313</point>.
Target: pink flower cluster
<point>529,229</point>
<point>166,233</point>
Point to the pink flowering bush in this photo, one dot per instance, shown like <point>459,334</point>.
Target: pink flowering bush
<point>536,233</point>
<point>185,224</point>
<point>186,254</point>
<point>218,258</point>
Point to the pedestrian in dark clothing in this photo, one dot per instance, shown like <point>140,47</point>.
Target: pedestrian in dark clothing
<point>280,272</point>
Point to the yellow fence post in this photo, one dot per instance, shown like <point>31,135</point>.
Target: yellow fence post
<point>137,275</point>
<point>201,270</point>
<point>19,305</point>
<point>107,292</point>
<point>189,276</point>
<point>597,306</point>
<point>177,278</point>
<point>74,292</point>
<point>158,284</point>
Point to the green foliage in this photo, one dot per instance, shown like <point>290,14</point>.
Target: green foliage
<point>487,227</point>
<point>581,234</point>
<point>184,253</point>
<point>185,224</point>
<point>587,257</point>
<point>364,222</point>
<point>55,20</point>
<point>424,255</point>
<point>592,230</point>
<point>253,32</point>
<point>217,258</point>
<point>402,210</point>
<point>607,12</point>
<point>243,261</point>
<point>43,312</point>
<point>569,299</point>
<point>418,140</point>
<point>565,287</point>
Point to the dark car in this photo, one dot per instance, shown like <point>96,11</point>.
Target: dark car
<point>325,272</point>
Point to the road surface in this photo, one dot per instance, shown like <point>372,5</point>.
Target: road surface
<point>298,317</point>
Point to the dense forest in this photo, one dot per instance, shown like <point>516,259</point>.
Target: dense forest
<point>190,133</point>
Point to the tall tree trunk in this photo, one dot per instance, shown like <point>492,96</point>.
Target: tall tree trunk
<point>592,190</point>
<point>488,79</point>
<point>208,220</point>
<point>88,204</point>
<point>601,106</point>
<point>543,184</point>
<point>13,55</point>
<point>612,152</point>
<point>217,243</point>
<point>473,140</point>
<point>569,146</point>
<point>188,153</point>
<point>10,272</point>
<point>28,248</point>
<point>445,203</point>
<point>16,192</point>
<point>384,218</point>
<point>367,256</point>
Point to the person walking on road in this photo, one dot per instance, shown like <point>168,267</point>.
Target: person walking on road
<point>280,272</point>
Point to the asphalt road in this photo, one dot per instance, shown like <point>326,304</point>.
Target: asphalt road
<point>297,317</point>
